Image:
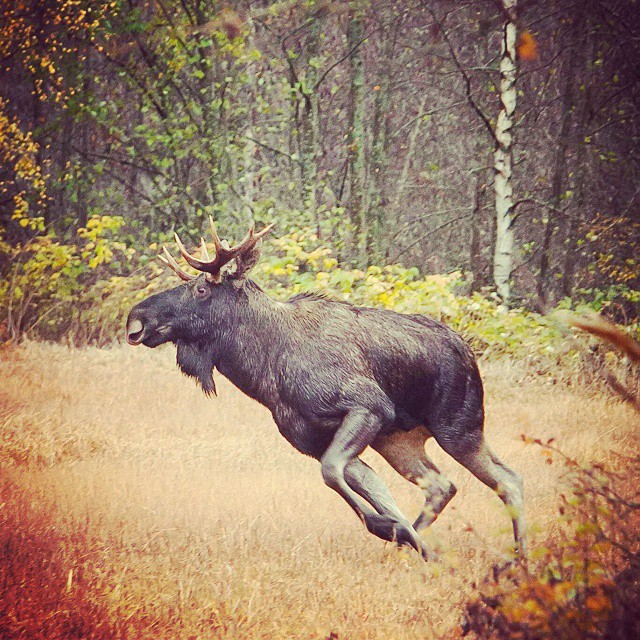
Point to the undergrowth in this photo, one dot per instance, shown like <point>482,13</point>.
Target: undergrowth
<point>81,292</point>
<point>585,583</point>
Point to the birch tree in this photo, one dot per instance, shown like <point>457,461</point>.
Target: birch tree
<point>503,155</point>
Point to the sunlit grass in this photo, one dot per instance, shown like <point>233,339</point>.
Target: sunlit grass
<point>132,506</point>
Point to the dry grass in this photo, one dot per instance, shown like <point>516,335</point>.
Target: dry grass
<point>133,507</point>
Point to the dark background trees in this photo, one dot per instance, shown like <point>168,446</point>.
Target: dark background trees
<point>374,124</point>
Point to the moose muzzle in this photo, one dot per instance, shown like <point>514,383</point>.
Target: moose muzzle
<point>135,330</point>
<point>149,322</point>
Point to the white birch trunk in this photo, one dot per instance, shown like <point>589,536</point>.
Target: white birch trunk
<point>503,256</point>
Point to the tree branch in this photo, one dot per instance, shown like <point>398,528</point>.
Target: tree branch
<point>465,76</point>
<point>422,237</point>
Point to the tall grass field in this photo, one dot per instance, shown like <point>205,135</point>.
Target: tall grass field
<point>131,506</point>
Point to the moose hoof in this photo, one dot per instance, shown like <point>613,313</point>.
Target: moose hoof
<point>428,554</point>
<point>385,528</point>
<point>394,531</point>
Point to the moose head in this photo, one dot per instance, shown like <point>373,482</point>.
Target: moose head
<point>195,314</point>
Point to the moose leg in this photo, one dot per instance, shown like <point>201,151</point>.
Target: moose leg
<point>366,482</point>
<point>357,431</point>
<point>473,453</point>
<point>404,451</point>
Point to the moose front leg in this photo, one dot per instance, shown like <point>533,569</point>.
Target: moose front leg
<point>389,523</point>
<point>349,477</point>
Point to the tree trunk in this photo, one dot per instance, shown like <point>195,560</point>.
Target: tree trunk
<point>249,148</point>
<point>502,161</point>
<point>559,178</point>
<point>475,244</point>
<point>408,156</point>
<point>557,185</point>
<point>377,203</point>
<point>357,166</point>
<point>84,135</point>
<point>479,259</point>
<point>582,156</point>
<point>571,252</point>
<point>310,123</point>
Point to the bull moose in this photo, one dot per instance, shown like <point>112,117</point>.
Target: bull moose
<point>337,378</point>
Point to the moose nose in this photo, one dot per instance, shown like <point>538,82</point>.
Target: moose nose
<point>135,331</point>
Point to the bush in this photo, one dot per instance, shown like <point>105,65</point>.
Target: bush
<point>81,291</point>
<point>298,263</point>
<point>585,582</point>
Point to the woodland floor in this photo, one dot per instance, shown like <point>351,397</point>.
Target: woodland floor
<point>133,507</point>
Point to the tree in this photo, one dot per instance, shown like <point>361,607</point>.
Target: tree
<point>357,138</point>
<point>503,157</point>
<point>576,41</point>
<point>167,111</point>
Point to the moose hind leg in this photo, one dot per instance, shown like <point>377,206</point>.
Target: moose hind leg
<point>404,451</point>
<point>358,430</point>
<point>474,454</point>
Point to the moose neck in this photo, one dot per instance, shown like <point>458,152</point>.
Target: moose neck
<point>250,342</point>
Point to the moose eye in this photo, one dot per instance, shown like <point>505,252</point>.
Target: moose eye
<point>202,291</point>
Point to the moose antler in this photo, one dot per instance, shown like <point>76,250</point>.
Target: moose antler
<point>167,258</point>
<point>213,266</point>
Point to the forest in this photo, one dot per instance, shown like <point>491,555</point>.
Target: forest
<point>494,140</point>
<point>474,160</point>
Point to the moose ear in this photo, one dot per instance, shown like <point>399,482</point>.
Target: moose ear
<point>245,262</point>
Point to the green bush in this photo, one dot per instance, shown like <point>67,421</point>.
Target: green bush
<point>81,291</point>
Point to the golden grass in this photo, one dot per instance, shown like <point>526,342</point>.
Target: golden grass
<point>133,507</point>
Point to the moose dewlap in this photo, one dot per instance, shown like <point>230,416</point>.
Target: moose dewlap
<point>337,379</point>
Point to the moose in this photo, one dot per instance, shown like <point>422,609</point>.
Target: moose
<point>337,378</point>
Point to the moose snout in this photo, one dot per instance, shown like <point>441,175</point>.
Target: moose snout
<point>135,330</point>
<point>151,322</point>
<point>136,326</point>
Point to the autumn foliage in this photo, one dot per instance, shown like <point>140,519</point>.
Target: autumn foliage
<point>584,585</point>
<point>527,46</point>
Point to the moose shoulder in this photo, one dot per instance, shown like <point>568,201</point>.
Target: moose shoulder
<point>337,379</point>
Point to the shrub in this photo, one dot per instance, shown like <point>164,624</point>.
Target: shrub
<point>299,263</point>
<point>585,582</point>
<point>77,290</point>
<point>81,291</point>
